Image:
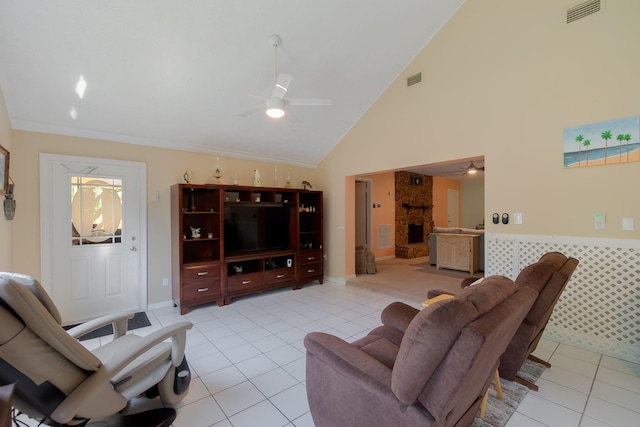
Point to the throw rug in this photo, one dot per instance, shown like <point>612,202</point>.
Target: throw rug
<point>499,411</point>
<point>139,320</point>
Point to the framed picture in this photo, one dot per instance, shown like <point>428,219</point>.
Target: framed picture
<point>4,171</point>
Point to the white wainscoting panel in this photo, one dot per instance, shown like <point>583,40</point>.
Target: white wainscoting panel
<point>600,308</point>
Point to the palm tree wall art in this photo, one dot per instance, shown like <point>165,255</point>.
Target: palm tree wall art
<point>592,142</point>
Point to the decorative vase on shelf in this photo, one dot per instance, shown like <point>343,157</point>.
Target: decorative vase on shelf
<point>256,178</point>
<point>192,201</point>
<point>217,174</point>
<point>287,183</point>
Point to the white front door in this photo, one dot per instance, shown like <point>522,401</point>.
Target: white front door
<point>93,226</point>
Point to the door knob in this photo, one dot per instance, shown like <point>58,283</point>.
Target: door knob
<point>132,248</point>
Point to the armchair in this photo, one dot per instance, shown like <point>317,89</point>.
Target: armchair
<point>61,382</point>
<point>548,278</point>
<point>420,368</point>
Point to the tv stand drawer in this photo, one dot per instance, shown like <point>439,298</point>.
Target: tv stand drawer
<point>310,257</point>
<point>241,282</point>
<point>201,271</point>
<point>278,275</point>
<point>311,270</point>
<point>202,290</point>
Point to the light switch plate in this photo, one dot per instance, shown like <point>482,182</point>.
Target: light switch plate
<point>517,218</point>
<point>627,224</point>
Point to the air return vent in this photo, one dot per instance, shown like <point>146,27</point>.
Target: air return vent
<point>415,79</point>
<point>583,10</point>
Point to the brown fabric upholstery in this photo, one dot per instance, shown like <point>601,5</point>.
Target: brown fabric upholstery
<point>421,368</point>
<point>548,277</point>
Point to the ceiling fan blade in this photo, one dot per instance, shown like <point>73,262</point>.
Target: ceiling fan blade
<point>309,101</point>
<point>251,111</point>
<point>282,85</point>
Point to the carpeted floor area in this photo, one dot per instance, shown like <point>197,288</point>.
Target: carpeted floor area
<point>410,278</point>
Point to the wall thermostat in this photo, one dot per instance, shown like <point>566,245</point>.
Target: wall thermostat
<point>496,218</point>
<point>505,218</point>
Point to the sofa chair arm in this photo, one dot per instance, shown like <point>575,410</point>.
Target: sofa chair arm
<point>349,360</point>
<point>468,281</point>
<point>119,321</point>
<point>98,384</point>
<point>178,334</point>
<point>398,315</point>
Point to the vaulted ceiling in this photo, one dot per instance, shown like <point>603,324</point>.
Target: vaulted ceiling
<point>180,74</point>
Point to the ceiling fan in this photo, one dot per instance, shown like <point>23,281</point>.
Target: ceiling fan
<point>276,103</point>
<point>472,168</point>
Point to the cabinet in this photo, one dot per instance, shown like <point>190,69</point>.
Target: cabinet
<point>457,252</point>
<point>251,239</point>
<point>196,245</point>
<point>310,265</point>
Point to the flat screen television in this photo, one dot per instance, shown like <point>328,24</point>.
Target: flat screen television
<point>255,227</point>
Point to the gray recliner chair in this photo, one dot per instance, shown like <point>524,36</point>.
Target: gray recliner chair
<point>61,382</point>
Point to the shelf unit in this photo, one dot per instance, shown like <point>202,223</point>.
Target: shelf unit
<point>201,271</point>
<point>310,265</point>
<point>195,258</point>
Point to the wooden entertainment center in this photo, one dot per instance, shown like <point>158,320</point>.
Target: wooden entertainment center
<point>274,238</point>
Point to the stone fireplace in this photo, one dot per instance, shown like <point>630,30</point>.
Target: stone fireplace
<point>416,233</point>
<point>414,215</point>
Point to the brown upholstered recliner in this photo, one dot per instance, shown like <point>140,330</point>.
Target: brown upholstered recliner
<point>62,383</point>
<point>421,368</point>
<point>548,277</point>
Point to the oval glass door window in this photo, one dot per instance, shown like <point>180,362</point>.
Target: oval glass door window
<point>96,210</point>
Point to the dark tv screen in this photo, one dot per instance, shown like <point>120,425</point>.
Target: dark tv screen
<point>255,227</point>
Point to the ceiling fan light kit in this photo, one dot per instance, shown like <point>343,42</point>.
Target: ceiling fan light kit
<point>275,108</point>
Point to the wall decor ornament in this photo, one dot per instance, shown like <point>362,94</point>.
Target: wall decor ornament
<point>4,170</point>
<point>217,173</point>
<point>603,143</point>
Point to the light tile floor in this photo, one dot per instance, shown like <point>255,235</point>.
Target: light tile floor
<point>248,363</point>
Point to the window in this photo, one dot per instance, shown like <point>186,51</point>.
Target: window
<point>96,210</point>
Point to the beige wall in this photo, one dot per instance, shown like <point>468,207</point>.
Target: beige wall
<point>502,79</point>
<point>5,226</point>
<point>441,186</point>
<point>472,202</point>
<point>383,193</point>
<point>164,168</point>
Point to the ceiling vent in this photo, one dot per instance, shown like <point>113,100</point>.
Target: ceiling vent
<point>583,10</point>
<point>415,79</point>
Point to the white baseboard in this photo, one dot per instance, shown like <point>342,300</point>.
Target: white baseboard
<point>159,305</point>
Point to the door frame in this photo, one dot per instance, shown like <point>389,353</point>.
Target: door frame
<point>367,210</point>
<point>47,161</point>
